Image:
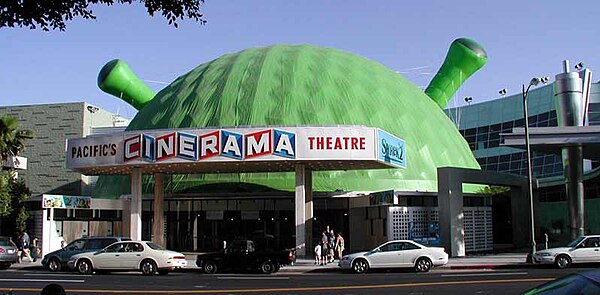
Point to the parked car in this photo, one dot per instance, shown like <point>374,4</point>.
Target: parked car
<point>578,283</point>
<point>396,254</point>
<point>57,260</point>
<point>585,249</point>
<point>144,256</point>
<point>8,252</point>
<point>243,255</point>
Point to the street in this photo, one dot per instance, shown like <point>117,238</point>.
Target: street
<point>438,281</point>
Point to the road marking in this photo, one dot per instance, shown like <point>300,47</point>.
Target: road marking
<point>486,274</point>
<point>42,280</point>
<point>71,291</point>
<point>253,278</point>
<point>55,275</point>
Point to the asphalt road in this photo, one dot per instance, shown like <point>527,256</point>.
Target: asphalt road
<point>511,281</point>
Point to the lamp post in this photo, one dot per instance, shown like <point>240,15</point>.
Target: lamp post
<point>534,82</point>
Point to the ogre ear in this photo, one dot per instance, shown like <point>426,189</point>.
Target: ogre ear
<point>464,58</point>
<point>116,78</point>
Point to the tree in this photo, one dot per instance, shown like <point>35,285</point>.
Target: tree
<point>13,192</point>
<point>12,140</point>
<point>52,14</point>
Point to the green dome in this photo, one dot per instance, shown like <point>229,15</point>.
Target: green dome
<point>305,85</point>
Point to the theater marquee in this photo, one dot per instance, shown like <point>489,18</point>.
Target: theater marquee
<point>237,145</point>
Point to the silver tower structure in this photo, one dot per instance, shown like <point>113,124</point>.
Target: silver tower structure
<point>571,96</point>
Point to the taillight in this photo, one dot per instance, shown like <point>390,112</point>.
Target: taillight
<point>291,256</point>
<point>178,257</point>
<point>2,250</point>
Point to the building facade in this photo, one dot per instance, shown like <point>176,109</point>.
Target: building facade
<point>482,124</point>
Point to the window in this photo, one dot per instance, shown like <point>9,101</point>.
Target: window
<point>76,245</point>
<point>591,243</point>
<point>94,244</point>
<point>409,246</point>
<point>116,248</point>
<point>391,247</point>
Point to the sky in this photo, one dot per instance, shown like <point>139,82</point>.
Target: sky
<point>523,39</point>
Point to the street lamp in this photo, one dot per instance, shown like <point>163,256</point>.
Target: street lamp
<point>534,82</point>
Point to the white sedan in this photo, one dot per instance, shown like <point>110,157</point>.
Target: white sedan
<point>143,256</point>
<point>585,249</point>
<point>392,254</point>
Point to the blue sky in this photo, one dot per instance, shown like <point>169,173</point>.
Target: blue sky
<point>522,38</point>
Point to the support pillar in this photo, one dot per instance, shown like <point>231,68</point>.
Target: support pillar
<point>300,205</point>
<point>451,215</point>
<point>158,223</point>
<point>308,209</point>
<point>135,219</point>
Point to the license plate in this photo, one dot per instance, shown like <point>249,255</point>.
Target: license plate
<point>11,251</point>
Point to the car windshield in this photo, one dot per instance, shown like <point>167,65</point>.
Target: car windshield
<point>571,284</point>
<point>155,246</point>
<point>574,243</point>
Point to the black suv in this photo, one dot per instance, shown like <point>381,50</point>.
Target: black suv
<point>57,260</point>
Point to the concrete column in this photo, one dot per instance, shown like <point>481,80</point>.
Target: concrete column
<point>135,219</point>
<point>300,210</point>
<point>573,169</point>
<point>158,223</point>
<point>451,215</point>
<point>308,208</point>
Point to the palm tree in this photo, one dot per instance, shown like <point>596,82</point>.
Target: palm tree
<point>12,140</point>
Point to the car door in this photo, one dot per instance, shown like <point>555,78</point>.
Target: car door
<point>387,255</point>
<point>132,255</point>
<point>109,258</point>
<point>410,253</point>
<point>587,251</point>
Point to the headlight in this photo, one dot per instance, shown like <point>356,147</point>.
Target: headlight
<point>346,258</point>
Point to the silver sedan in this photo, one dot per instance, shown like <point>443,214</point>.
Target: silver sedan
<point>396,254</point>
<point>143,256</point>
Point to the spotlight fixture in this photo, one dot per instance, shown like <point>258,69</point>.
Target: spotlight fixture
<point>502,91</point>
<point>579,66</point>
<point>92,109</point>
<point>468,99</point>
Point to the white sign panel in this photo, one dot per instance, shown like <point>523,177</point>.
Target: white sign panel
<point>16,162</point>
<point>226,144</point>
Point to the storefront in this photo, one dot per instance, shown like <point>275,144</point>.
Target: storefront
<point>203,220</point>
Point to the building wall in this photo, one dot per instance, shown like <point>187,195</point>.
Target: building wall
<point>52,124</point>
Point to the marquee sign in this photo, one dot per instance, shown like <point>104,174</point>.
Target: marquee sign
<point>150,147</point>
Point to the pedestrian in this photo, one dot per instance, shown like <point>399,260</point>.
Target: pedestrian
<point>25,243</point>
<point>325,248</point>
<point>318,253</point>
<point>53,289</point>
<point>33,248</point>
<point>339,245</point>
<point>331,245</point>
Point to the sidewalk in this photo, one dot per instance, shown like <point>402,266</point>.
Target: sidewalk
<point>303,265</point>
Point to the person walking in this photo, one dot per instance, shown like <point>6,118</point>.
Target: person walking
<point>339,245</point>
<point>331,245</point>
<point>318,253</point>
<point>33,249</point>
<point>24,241</point>
<point>325,248</point>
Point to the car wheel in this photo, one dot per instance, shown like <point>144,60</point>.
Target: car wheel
<point>163,272</point>
<point>54,264</point>
<point>423,264</point>
<point>210,267</point>
<point>84,266</point>
<point>562,261</point>
<point>360,266</point>
<point>148,267</point>
<point>267,267</point>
